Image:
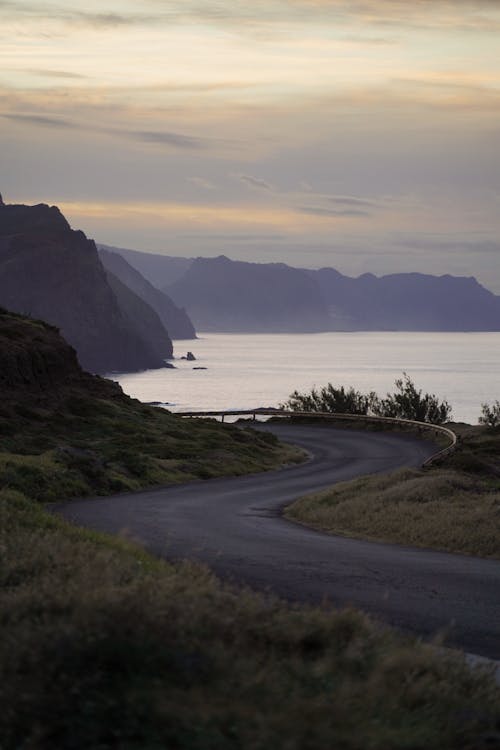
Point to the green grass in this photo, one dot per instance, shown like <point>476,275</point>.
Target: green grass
<point>102,646</point>
<point>88,445</point>
<point>453,507</point>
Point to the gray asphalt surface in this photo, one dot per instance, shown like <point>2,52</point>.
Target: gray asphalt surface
<point>234,526</point>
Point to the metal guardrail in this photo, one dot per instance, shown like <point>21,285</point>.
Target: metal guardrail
<point>263,411</point>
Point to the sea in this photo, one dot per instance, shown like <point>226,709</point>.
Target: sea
<point>244,371</point>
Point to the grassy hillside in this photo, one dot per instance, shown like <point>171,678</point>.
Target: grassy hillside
<point>454,506</point>
<point>103,646</point>
<point>65,433</point>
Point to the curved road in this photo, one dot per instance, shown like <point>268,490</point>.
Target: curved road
<point>234,526</point>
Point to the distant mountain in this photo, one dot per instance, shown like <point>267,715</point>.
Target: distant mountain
<point>226,295</point>
<point>407,302</point>
<point>159,270</point>
<point>51,272</point>
<point>175,320</point>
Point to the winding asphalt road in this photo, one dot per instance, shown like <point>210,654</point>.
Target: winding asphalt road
<point>234,525</point>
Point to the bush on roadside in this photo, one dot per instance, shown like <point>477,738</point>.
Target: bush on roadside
<point>405,403</point>
<point>409,403</point>
<point>335,400</point>
<point>490,415</point>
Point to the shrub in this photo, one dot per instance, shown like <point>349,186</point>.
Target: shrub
<point>490,415</point>
<point>405,403</point>
<point>408,403</point>
<point>335,400</point>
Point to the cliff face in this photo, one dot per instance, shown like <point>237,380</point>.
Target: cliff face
<point>51,272</point>
<point>175,319</point>
<point>141,317</point>
<point>226,295</point>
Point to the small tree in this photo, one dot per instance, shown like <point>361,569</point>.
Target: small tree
<point>490,415</point>
<point>408,403</point>
<point>334,400</point>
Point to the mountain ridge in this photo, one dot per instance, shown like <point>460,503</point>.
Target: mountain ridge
<point>412,301</point>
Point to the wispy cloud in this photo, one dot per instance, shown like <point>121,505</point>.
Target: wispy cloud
<point>255,182</point>
<point>159,138</point>
<point>348,200</point>
<point>177,140</point>
<point>48,122</point>
<point>450,245</point>
<point>201,182</point>
<point>264,16</point>
<point>331,212</point>
<point>47,73</point>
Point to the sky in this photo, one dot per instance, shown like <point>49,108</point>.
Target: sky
<point>361,135</point>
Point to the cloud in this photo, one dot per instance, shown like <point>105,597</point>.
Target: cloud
<point>328,212</point>
<point>48,73</point>
<point>161,138</point>
<point>210,237</point>
<point>49,122</point>
<point>270,15</point>
<point>344,200</point>
<point>201,182</point>
<point>255,182</point>
<point>177,140</point>
<point>450,245</point>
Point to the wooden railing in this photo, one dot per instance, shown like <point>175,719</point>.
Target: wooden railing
<point>269,412</point>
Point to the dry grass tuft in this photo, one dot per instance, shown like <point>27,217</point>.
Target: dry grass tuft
<point>455,507</point>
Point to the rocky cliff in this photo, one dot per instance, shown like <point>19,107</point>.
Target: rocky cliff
<point>37,363</point>
<point>141,317</point>
<point>51,272</point>
<point>175,319</point>
<point>227,295</point>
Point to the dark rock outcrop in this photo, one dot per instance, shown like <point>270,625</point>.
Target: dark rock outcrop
<point>175,319</point>
<point>35,361</point>
<point>232,296</point>
<point>51,272</point>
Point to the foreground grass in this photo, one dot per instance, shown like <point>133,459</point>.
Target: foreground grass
<point>453,507</point>
<point>102,646</point>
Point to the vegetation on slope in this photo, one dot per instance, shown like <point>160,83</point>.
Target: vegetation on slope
<point>65,433</point>
<point>453,507</point>
<point>103,646</point>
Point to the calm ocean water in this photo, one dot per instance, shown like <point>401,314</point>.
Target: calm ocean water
<point>248,370</point>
